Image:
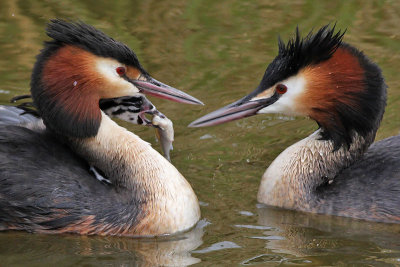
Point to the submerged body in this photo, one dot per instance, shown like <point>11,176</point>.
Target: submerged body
<point>45,183</point>
<point>345,182</point>
<point>334,170</point>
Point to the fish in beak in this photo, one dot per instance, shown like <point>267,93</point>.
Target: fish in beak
<point>134,109</point>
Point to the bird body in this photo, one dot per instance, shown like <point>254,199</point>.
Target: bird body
<point>334,170</point>
<point>347,183</point>
<point>45,184</point>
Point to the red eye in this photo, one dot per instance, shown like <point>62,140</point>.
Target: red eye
<point>120,70</point>
<point>281,89</point>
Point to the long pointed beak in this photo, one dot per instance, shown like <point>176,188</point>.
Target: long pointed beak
<point>153,87</point>
<point>242,108</point>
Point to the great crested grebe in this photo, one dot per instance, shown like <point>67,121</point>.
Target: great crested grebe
<point>333,171</point>
<point>45,185</point>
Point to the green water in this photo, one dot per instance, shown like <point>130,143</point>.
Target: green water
<point>217,51</point>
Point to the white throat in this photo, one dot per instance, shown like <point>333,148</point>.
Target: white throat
<point>292,178</point>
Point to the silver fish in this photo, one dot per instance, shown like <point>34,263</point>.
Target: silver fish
<point>164,133</point>
<point>134,110</point>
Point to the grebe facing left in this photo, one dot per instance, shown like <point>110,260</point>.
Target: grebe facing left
<point>45,185</point>
<point>334,170</point>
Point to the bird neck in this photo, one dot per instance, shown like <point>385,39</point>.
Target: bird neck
<point>292,179</point>
<point>132,164</point>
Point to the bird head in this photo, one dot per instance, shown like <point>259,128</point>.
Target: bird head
<point>318,76</point>
<point>81,65</point>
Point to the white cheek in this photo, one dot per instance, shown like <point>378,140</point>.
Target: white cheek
<point>288,102</point>
<point>107,69</point>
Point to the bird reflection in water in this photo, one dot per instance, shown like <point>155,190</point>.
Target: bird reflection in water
<point>297,237</point>
<point>175,250</point>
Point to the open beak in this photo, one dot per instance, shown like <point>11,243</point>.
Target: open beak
<point>153,87</point>
<point>242,108</point>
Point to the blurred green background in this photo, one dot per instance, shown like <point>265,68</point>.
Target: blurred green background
<point>216,51</point>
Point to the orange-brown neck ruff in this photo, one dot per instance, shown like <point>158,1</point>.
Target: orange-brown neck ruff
<point>67,96</point>
<point>344,95</point>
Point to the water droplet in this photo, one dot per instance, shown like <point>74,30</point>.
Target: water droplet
<point>203,204</point>
<point>246,213</point>
<point>206,136</point>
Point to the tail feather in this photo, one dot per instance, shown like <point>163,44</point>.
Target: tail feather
<point>10,115</point>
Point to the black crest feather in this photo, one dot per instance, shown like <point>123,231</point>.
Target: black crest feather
<point>91,39</point>
<point>312,49</point>
<point>301,52</point>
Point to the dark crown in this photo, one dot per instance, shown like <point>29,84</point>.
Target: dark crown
<point>92,40</point>
<point>301,52</point>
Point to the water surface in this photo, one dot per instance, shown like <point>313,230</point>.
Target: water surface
<point>217,51</point>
